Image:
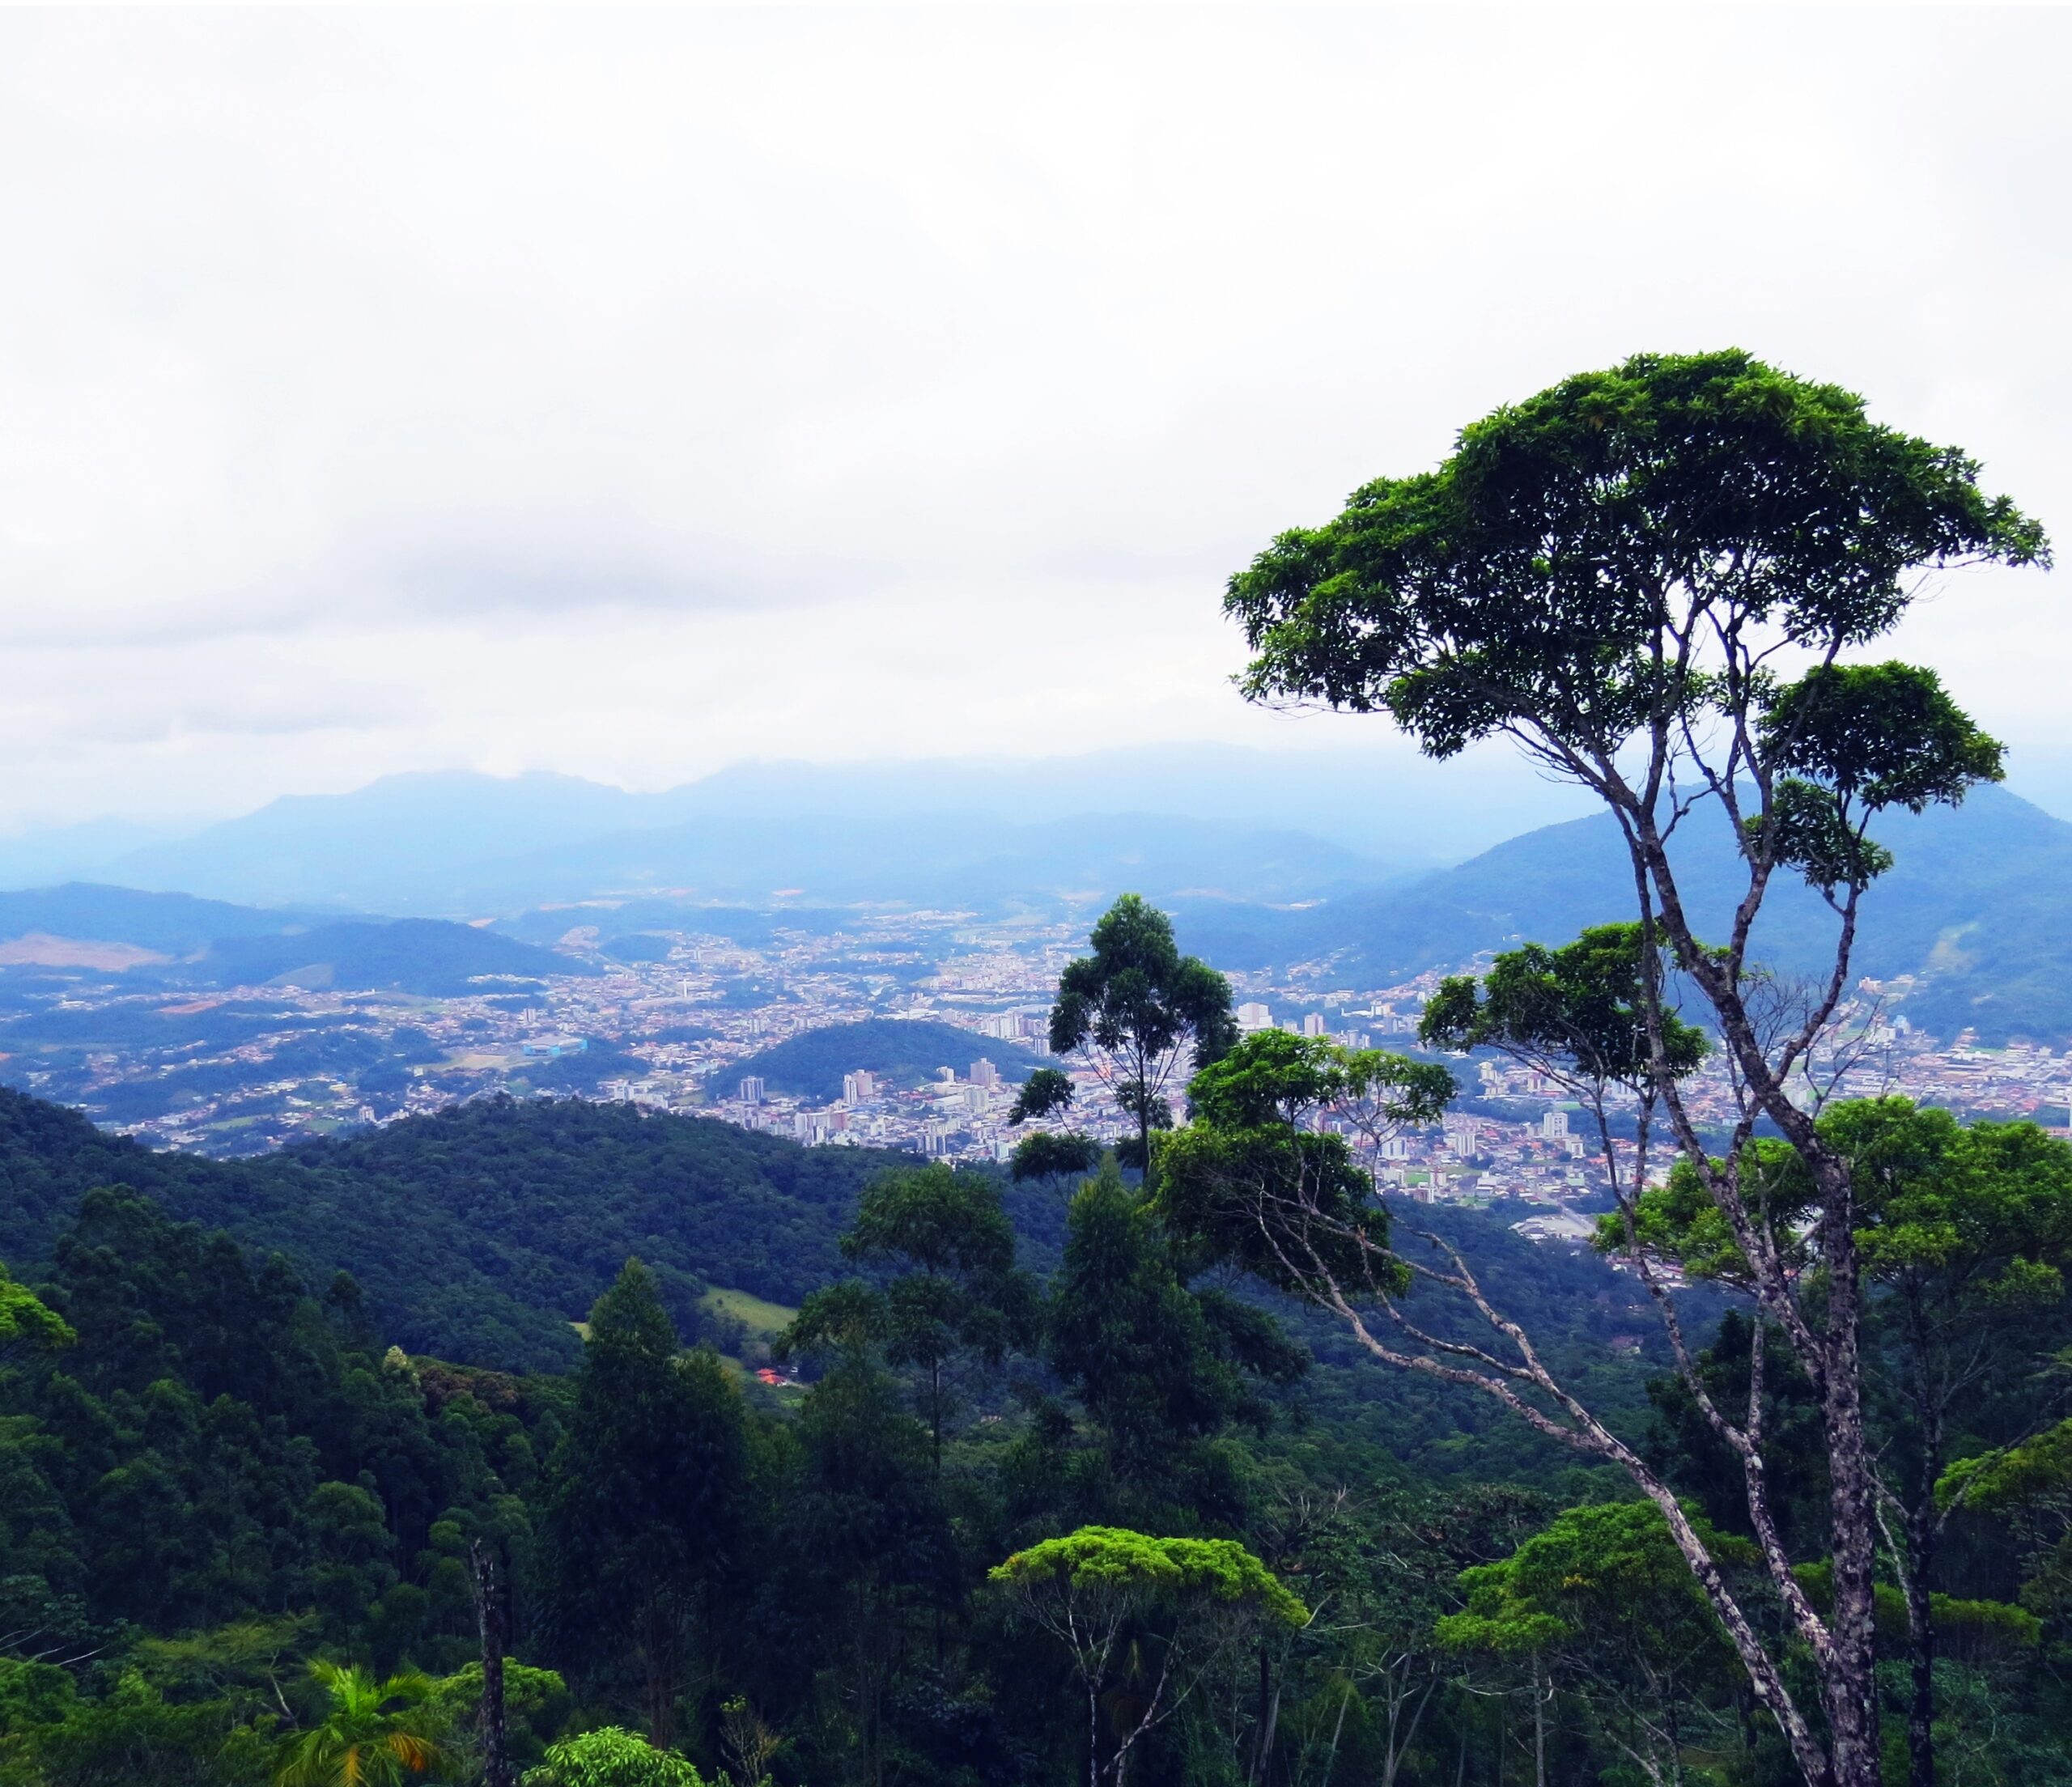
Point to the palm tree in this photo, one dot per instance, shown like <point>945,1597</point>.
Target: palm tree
<point>373,1735</point>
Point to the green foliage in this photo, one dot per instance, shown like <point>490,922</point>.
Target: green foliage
<point>1105,1565</point>
<point>372,1733</point>
<point>610,1757</point>
<point>2006,1483</point>
<point>131,1736</point>
<point>1608,1574</point>
<point>1043,1094</point>
<point>1137,1001</point>
<point>645,1492</point>
<point>226,1476</point>
<point>478,1233</point>
<point>1252,1182</point>
<point>536,1704</point>
<point>962,1296</point>
<point>1986,1208</point>
<point>1580,1009</point>
<point>1110,1595</point>
<point>1876,736</point>
<point>25,1323</point>
<point>1534,579</point>
<point>1160,1367</point>
<point>1848,740</point>
<point>1043,1154</point>
<point>1275,1079</point>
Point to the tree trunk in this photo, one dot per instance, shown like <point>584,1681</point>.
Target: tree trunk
<point>1921,1645</point>
<point>489,1620</point>
<point>1849,1683</point>
<point>1538,1727</point>
<point>1338,1730</point>
<point>1269,1717</point>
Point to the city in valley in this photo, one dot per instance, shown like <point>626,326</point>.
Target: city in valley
<point>749,1028</point>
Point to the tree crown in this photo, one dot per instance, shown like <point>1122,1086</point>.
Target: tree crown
<point>1536,577</point>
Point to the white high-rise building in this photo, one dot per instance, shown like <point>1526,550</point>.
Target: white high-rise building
<point>858,1086</point>
<point>984,1073</point>
<point>1554,1125</point>
<point>1254,1016</point>
<point>752,1089</point>
<point>1314,1024</point>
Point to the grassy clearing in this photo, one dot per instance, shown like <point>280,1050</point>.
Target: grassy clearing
<point>753,1313</point>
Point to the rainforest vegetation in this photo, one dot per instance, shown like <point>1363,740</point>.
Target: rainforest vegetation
<point>1189,1460</point>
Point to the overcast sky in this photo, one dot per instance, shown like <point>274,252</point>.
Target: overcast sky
<point>630,395</point>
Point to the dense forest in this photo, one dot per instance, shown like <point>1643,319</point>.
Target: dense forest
<point>221,1471</point>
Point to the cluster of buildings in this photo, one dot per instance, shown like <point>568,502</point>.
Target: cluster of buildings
<point>672,1035</point>
<point>951,1114</point>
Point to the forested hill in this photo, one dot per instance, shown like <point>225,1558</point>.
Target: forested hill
<point>479,1233</point>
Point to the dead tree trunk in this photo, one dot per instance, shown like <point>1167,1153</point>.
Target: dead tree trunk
<point>490,1621</point>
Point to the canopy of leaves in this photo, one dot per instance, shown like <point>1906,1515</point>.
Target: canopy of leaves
<point>1275,1077</point>
<point>26,1323</point>
<point>1544,576</point>
<point>611,1757</point>
<point>1114,1564</point>
<point>645,1495</point>
<point>1160,1367</point>
<point>1990,1201</point>
<point>1580,1009</point>
<point>1044,1154</point>
<point>1246,1181</point>
<point>1044,1093</point>
<point>1136,993</point>
<point>1609,1574</point>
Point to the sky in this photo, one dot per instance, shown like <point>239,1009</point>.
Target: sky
<point>628,395</point>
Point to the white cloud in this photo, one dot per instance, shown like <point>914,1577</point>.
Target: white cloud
<point>629,393</point>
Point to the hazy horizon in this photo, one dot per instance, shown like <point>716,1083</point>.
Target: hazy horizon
<point>626,396</point>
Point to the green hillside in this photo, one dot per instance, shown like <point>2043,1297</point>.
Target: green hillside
<point>477,1234</point>
<point>906,1052</point>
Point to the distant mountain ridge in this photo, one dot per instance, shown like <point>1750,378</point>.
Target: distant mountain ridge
<point>1978,906</point>
<point>415,842</point>
<point>463,846</point>
<point>190,942</point>
<point>1974,910</point>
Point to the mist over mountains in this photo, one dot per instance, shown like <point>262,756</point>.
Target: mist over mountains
<point>1244,824</point>
<point>1976,911</point>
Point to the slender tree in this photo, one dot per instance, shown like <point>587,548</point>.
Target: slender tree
<point>1138,1010</point>
<point>645,1501</point>
<point>490,1622</point>
<point>1160,1367</point>
<point>1166,1611</point>
<point>960,1296</point>
<point>1649,578</point>
<point>1962,1233</point>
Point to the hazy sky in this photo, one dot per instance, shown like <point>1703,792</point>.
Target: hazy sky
<point>625,395</point>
